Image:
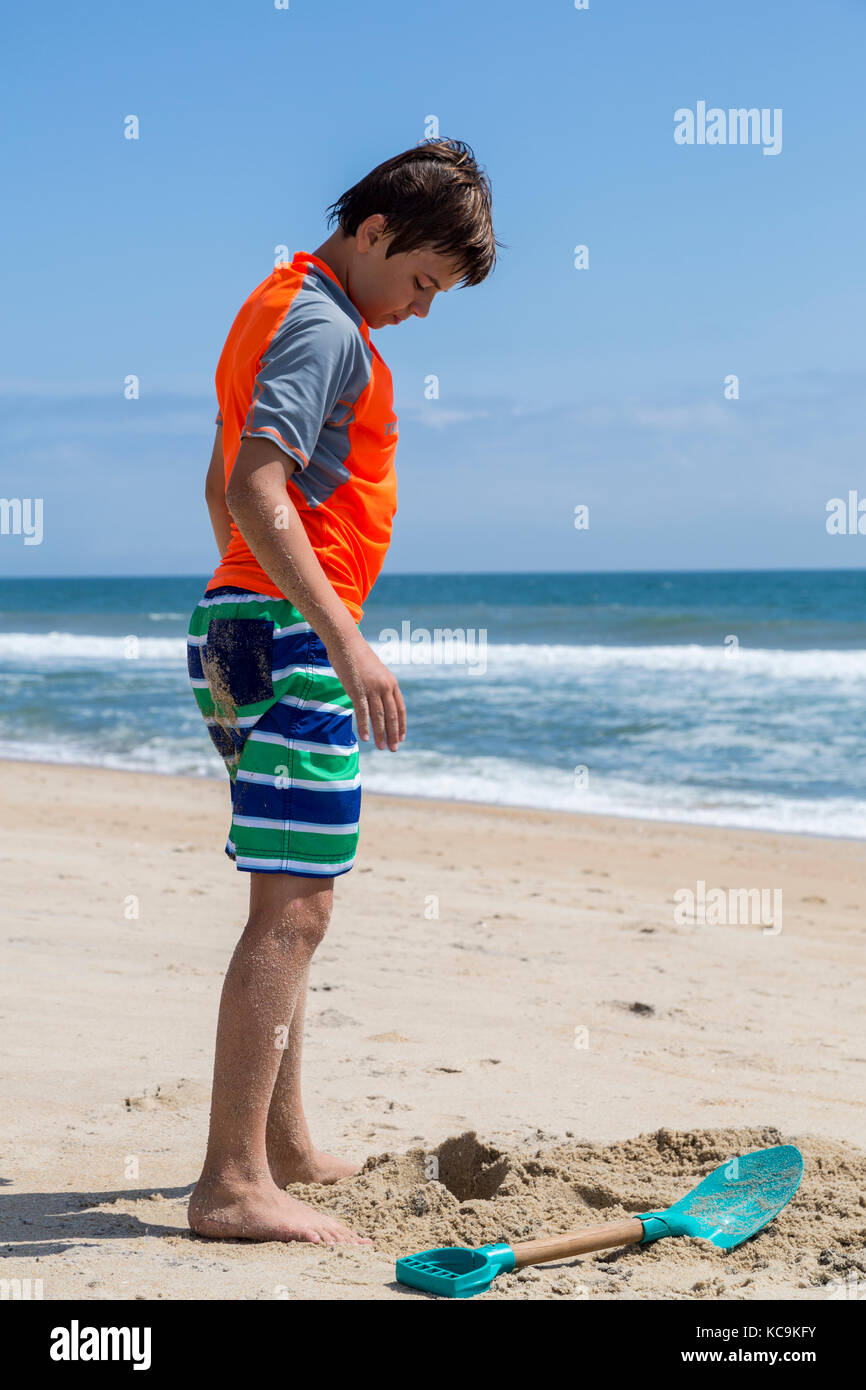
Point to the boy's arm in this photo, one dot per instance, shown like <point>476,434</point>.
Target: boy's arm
<point>215,494</point>
<point>263,513</point>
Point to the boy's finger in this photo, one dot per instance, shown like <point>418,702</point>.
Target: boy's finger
<point>377,718</point>
<point>392,720</point>
<point>401,712</point>
<point>363,717</point>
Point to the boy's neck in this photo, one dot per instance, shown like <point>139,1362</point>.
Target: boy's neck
<point>335,253</point>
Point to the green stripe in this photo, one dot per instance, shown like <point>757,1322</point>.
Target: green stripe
<point>277,610</point>
<point>274,759</point>
<point>303,844</point>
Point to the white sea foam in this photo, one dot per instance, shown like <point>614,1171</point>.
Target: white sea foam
<point>173,759</point>
<point>68,647</point>
<point>501,658</point>
<point>503,782</point>
<point>498,782</point>
<point>812,664</point>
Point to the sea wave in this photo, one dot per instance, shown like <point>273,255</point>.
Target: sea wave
<point>812,664</point>
<point>68,647</point>
<point>489,658</point>
<point>506,782</point>
<point>499,782</point>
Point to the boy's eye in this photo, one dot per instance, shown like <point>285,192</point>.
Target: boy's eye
<point>418,284</point>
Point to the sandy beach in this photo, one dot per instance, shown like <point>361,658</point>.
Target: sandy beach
<point>505,990</point>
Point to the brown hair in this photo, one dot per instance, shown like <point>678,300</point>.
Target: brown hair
<point>432,195</point>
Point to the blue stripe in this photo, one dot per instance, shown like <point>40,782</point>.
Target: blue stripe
<point>193,662</point>
<point>295,649</point>
<point>272,803</point>
<point>309,724</point>
<point>299,649</point>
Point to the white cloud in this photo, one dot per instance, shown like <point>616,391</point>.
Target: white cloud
<point>680,419</point>
<point>439,417</point>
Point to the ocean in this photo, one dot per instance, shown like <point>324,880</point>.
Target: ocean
<point>714,698</point>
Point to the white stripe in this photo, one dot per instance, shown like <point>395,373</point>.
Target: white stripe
<point>278,632</point>
<point>263,823</point>
<point>240,722</point>
<point>244,719</point>
<point>303,746</point>
<point>250,598</point>
<point>309,669</point>
<point>321,705</point>
<point>340,784</point>
<point>311,870</point>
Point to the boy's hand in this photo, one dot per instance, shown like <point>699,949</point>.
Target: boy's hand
<point>256,494</point>
<point>372,688</point>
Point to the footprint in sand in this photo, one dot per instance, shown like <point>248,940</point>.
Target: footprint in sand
<point>172,1096</point>
<point>333,1018</point>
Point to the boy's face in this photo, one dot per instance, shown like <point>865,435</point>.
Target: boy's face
<point>389,289</point>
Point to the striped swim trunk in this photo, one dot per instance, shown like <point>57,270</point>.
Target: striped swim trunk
<point>282,723</point>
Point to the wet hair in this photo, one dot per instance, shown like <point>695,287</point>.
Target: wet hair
<point>432,195</point>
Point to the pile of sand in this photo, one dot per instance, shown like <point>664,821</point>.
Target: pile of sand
<point>467,1192</point>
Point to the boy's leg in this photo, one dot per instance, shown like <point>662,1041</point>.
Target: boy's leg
<point>291,1154</point>
<point>236,1194</point>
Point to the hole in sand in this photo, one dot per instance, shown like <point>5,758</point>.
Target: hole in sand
<point>470,1169</point>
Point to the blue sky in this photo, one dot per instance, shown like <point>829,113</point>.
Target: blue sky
<point>558,386</point>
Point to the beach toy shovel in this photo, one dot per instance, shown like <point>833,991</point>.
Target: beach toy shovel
<point>728,1206</point>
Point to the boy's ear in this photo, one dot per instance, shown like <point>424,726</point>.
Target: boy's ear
<point>370,232</point>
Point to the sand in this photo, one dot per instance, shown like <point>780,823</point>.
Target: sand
<point>485,1192</point>
<point>564,1048</point>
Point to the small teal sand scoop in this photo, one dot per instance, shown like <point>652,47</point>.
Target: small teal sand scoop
<point>734,1202</point>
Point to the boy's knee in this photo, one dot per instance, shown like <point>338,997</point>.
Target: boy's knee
<point>309,919</point>
<point>299,919</point>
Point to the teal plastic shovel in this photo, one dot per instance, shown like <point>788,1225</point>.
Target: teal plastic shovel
<point>734,1202</point>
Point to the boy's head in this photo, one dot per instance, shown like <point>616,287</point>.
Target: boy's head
<point>417,224</point>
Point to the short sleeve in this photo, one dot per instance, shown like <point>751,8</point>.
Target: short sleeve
<point>302,375</point>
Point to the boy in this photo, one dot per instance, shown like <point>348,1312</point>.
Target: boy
<point>301,491</point>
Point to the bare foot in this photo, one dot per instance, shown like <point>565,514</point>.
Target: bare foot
<point>259,1211</point>
<point>313,1166</point>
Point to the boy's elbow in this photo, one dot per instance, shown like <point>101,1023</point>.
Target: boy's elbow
<point>236,494</point>
<point>247,491</point>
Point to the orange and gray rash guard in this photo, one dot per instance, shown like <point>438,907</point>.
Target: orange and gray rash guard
<point>298,368</point>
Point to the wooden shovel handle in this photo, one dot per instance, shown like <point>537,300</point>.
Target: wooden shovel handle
<point>538,1252</point>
